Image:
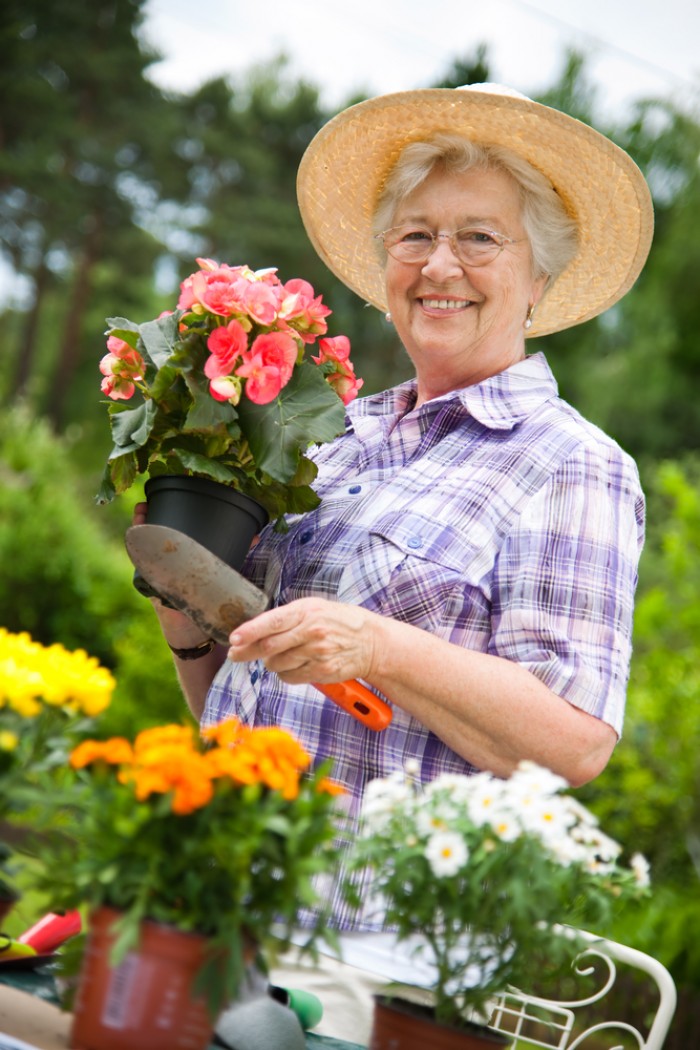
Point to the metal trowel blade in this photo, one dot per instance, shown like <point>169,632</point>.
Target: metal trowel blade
<point>195,581</point>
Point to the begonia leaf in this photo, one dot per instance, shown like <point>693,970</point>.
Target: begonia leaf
<point>306,411</point>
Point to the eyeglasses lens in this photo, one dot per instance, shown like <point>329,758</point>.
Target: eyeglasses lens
<point>415,245</point>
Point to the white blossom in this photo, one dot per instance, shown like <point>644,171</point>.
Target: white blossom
<point>640,869</point>
<point>383,798</point>
<point>537,779</point>
<point>545,817</point>
<point>446,852</point>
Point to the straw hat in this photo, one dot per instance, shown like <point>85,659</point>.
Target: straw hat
<point>343,172</point>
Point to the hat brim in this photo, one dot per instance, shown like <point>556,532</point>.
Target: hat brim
<point>345,167</point>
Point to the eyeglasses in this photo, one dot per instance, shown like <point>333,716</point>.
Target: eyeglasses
<point>471,245</point>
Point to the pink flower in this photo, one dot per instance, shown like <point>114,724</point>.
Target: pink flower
<point>300,304</point>
<point>226,388</point>
<point>268,366</point>
<point>346,385</point>
<point>117,387</point>
<point>225,344</point>
<point>118,347</point>
<point>120,371</point>
<point>212,289</point>
<point>261,301</point>
<point>217,293</point>
<point>335,348</point>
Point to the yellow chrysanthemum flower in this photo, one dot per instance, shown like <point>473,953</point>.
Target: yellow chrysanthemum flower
<point>33,675</point>
<point>8,740</point>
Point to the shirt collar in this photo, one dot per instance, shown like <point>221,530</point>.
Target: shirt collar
<point>499,402</point>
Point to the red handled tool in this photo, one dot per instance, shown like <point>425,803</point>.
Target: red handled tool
<point>218,599</point>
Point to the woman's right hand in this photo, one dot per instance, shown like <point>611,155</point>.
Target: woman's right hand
<point>178,629</point>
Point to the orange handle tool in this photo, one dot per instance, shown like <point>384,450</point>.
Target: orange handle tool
<point>359,701</point>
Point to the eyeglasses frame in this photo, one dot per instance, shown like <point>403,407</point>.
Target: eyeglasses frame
<point>502,243</point>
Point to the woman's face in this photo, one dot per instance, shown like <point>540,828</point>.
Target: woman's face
<point>461,324</point>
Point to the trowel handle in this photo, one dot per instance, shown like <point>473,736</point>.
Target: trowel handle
<point>359,701</point>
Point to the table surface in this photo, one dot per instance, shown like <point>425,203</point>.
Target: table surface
<point>29,1010</point>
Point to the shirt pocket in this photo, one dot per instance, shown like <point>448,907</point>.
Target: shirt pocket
<point>412,568</point>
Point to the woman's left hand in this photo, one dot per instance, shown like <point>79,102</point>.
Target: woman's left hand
<point>309,640</point>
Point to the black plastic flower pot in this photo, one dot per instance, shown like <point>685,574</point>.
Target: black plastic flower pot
<point>215,515</point>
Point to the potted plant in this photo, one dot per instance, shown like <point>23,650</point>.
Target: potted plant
<point>474,873</point>
<point>227,389</point>
<point>191,853</point>
<point>48,696</point>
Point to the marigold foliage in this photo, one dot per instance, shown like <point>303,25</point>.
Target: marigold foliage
<point>223,833</point>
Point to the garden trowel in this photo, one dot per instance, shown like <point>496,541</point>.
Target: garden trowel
<point>217,598</point>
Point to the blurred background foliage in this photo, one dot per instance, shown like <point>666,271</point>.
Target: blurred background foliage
<point>109,190</point>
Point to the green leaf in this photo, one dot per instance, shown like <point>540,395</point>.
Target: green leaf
<point>121,323</point>
<point>203,465</point>
<point>159,337</point>
<point>107,491</point>
<point>123,470</point>
<point>306,411</point>
<point>207,412</point>
<point>164,379</point>
<point>132,428</point>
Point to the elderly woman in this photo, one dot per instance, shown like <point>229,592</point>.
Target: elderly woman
<point>474,556</point>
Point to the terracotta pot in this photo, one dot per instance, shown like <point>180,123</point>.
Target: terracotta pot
<point>401,1025</point>
<point>215,515</point>
<point>145,1003</point>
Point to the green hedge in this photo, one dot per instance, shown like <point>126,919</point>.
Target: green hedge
<point>66,576</point>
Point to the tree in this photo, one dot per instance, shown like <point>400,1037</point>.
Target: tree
<point>76,120</point>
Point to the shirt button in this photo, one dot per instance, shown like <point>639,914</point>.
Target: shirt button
<point>305,536</point>
<point>415,542</point>
<point>354,489</point>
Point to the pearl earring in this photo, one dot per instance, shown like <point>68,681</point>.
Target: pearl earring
<point>387,318</point>
<point>529,316</point>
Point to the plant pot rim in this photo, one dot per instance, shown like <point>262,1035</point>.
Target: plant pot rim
<point>427,1013</point>
<point>116,913</point>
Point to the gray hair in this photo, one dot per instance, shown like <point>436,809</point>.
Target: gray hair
<point>552,233</point>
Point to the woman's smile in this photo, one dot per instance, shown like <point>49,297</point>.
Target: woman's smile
<point>442,305</point>
<point>462,323</point>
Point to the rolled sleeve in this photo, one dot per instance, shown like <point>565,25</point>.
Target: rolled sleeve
<point>565,578</point>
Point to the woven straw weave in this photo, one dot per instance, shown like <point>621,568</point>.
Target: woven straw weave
<point>345,167</point>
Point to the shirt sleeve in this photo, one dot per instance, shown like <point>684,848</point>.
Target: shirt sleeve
<point>565,577</point>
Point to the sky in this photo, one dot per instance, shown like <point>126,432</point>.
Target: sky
<point>636,48</point>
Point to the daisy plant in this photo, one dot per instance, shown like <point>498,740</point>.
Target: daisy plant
<point>475,872</point>
<point>220,833</point>
<point>226,387</point>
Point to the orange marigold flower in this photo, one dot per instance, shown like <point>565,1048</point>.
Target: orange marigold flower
<point>164,769</point>
<point>326,786</point>
<point>116,752</point>
<point>160,735</point>
<point>191,795</point>
<point>226,733</point>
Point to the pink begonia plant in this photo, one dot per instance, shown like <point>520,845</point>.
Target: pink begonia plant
<point>227,389</point>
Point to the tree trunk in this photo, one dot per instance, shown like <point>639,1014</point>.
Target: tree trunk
<point>69,353</point>
<point>26,351</point>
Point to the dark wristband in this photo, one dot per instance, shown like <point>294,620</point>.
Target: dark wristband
<point>194,654</point>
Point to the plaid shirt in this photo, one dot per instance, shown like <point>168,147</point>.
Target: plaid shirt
<point>494,517</point>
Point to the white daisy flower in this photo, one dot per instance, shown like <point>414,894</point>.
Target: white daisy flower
<point>485,800</point>
<point>537,779</point>
<point>640,869</point>
<point>546,817</point>
<point>429,821</point>
<point>597,841</point>
<point>446,852</point>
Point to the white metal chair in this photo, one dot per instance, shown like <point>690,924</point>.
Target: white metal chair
<point>561,1024</point>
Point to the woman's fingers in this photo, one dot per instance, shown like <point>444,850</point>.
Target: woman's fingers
<point>308,640</point>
